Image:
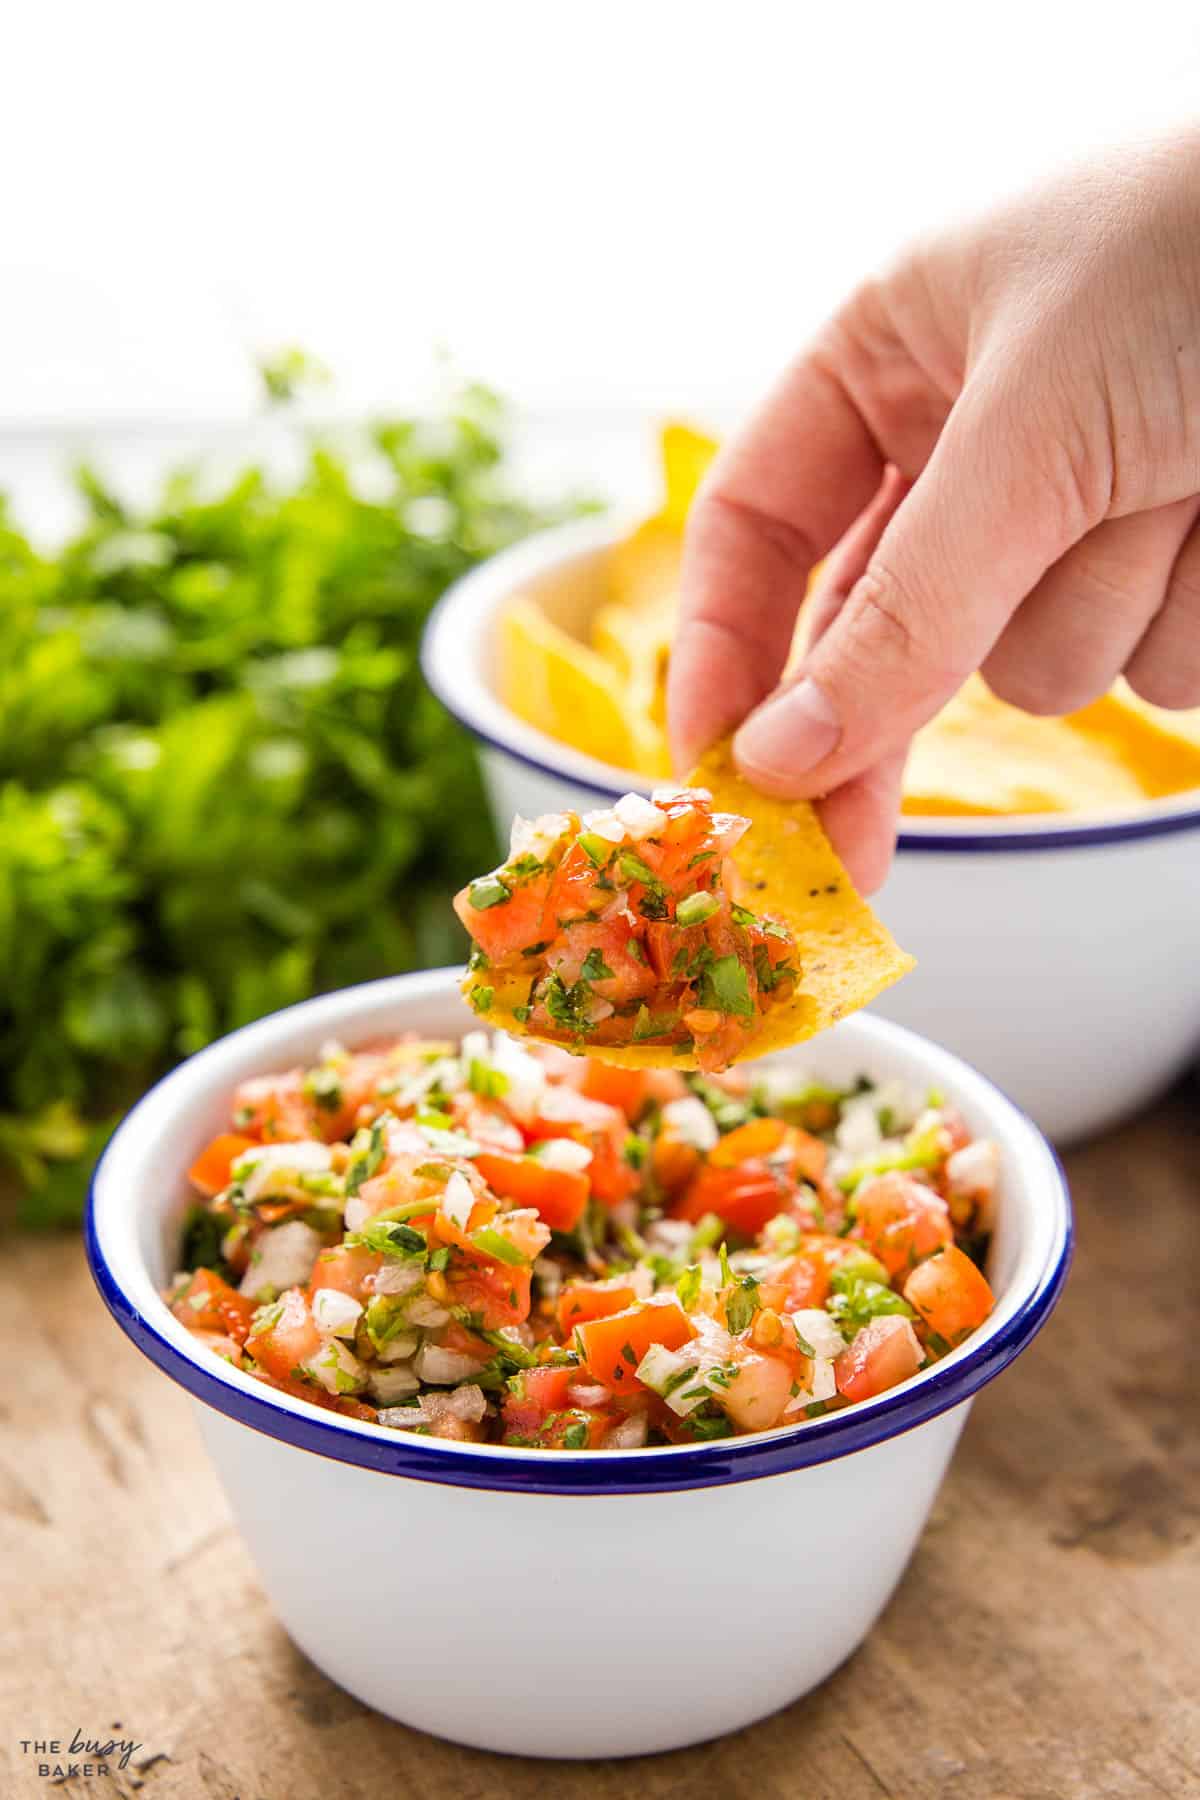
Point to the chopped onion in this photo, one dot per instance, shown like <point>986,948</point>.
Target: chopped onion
<point>444,1367</point>
<point>389,1385</point>
<point>691,1120</point>
<point>283,1258</point>
<point>640,817</point>
<point>466,1403</point>
<point>458,1199</point>
<point>337,1369</point>
<point>627,1434</point>
<point>335,1312</point>
<point>605,825</point>
<point>563,1154</point>
<point>818,1329</point>
<point>396,1277</point>
<point>398,1349</point>
<point>973,1170</point>
<point>273,1168</point>
<point>426,1312</point>
<point>356,1214</point>
<point>537,837</point>
<point>858,1132</point>
<point>589,1394</point>
<point>525,1075</point>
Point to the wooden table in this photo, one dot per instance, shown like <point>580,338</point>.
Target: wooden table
<point>1045,1643</point>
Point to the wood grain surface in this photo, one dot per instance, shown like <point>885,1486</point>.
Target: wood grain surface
<point>1045,1644</point>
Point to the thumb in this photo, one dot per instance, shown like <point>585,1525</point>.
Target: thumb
<point>980,527</point>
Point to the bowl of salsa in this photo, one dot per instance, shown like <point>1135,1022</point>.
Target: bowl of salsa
<point>497,1348</point>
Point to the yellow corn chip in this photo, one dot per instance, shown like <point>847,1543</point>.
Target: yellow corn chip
<point>789,870</point>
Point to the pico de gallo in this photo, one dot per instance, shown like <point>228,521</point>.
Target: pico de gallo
<point>506,1244</point>
<point>629,927</point>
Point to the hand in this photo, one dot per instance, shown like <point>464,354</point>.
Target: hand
<point>999,441</point>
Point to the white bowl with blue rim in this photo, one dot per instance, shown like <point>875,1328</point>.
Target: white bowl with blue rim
<point>566,1603</point>
<point>1061,955</point>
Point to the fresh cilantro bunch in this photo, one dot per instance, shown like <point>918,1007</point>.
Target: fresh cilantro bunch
<point>223,783</point>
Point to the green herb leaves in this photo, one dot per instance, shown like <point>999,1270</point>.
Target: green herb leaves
<point>725,988</point>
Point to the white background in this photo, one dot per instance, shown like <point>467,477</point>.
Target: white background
<point>607,210</point>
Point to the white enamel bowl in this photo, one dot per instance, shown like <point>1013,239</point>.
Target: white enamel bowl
<point>1062,957</point>
<point>537,1601</point>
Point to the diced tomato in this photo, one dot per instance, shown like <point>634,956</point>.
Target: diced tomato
<point>900,1220</point>
<point>289,1340</point>
<point>609,945</point>
<point>210,1304</point>
<point>211,1172</point>
<point>745,1197</point>
<point>559,1195</point>
<point>884,1353</point>
<point>273,1108</point>
<point>573,892</point>
<point>804,1278</point>
<point>562,1112</point>
<point>530,1425</point>
<point>949,1294</point>
<point>493,1293</point>
<point>455,1336</point>
<point>547,1387</point>
<point>347,1268</point>
<point>613,1347</point>
<point>488,1125</point>
<point>509,928</point>
<point>580,1301</point>
<point>626,1089</point>
<point>674,1160</point>
<point>756,1138</point>
<point>317,1396</point>
<point>401,1186</point>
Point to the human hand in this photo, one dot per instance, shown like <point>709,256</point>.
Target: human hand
<point>999,442</point>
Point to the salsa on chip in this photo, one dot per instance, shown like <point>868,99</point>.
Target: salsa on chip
<point>703,925</point>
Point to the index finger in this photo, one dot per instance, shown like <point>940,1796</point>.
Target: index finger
<point>778,497</point>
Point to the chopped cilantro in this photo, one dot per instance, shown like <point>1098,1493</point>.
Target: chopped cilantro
<point>567,1006</point>
<point>724,987</point>
<point>741,1305</point>
<point>575,1437</point>
<point>858,1302</point>
<point>481,998</point>
<point>594,967</point>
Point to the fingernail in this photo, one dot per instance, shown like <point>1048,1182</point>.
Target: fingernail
<point>790,734</point>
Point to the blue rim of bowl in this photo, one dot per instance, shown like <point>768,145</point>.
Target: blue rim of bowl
<point>965,840</point>
<point>646,1471</point>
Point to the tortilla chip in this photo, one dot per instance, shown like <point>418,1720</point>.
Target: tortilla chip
<point>982,757</point>
<point>790,871</point>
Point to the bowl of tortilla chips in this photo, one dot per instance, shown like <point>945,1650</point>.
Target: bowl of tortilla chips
<point>1047,876</point>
